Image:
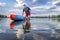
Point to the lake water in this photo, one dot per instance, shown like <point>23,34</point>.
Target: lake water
<point>35,29</point>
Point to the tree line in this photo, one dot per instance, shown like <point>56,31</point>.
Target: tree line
<point>3,16</point>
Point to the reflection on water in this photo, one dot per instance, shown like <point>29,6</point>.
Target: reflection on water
<point>16,23</point>
<point>56,22</point>
<point>34,29</point>
<point>27,26</point>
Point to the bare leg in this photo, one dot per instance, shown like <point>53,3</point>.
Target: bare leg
<point>27,18</point>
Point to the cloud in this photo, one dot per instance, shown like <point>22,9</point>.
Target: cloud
<point>15,11</point>
<point>19,3</point>
<point>55,2</point>
<point>34,0</point>
<point>38,9</point>
<point>45,10</point>
<point>43,2</point>
<point>58,4</point>
<point>2,4</point>
<point>37,6</point>
<point>52,8</point>
<point>43,7</point>
<point>57,9</point>
<point>31,2</point>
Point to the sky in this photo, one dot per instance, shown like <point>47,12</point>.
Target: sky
<point>38,7</point>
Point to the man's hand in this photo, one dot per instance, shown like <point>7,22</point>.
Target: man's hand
<point>22,13</point>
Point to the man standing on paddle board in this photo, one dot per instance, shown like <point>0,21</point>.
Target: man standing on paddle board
<point>27,11</point>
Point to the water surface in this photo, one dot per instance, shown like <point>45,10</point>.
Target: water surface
<point>35,29</point>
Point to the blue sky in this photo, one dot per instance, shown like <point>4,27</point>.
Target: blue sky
<point>39,7</point>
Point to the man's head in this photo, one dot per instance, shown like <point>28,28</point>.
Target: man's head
<point>24,5</point>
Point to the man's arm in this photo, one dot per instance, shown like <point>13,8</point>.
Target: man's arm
<point>23,12</point>
<point>29,10</point>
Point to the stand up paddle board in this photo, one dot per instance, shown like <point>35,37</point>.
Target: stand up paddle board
<point>17,17</point>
